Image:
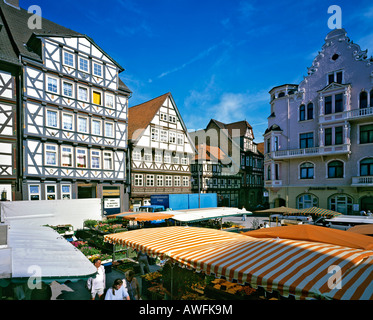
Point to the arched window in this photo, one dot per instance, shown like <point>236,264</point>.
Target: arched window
<point>305,201</point>
<point>306,170</point>
<point>302,112</point>
<point>366,167</point>
<point>310,111</point>
<point>363,100</point>
<point>335,169</point>
<point>341,203</point>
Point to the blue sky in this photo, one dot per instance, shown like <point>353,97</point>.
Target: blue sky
<point>218,58</point>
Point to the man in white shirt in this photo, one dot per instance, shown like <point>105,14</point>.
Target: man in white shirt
<point>97,284</point>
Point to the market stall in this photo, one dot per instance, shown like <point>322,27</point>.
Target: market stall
<point>301,269</point>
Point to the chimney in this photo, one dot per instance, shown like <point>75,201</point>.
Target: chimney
<point>12,3</point>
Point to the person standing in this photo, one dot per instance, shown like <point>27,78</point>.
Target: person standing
<point>131,285</point>
<point>117,291</point>
<point>142,259</point>
<point>96,285</point>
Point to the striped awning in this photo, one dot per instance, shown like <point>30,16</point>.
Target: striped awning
<point>300,268</point>
<point>148,216</point>
<point>315,211</point>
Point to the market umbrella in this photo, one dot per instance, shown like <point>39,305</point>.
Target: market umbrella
<point>366,229</point>
<point>119,215</point>
<point>318,212</point>
<point>283,210</point>
<point>148,216</point>
<point>307,232</point>
<point>291,267</point>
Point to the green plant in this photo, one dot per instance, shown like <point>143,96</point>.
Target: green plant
<point>90,223</point>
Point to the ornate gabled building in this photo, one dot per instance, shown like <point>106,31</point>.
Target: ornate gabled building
<point>72,113</point>
<point>160,150</point>
<point>319,141</point>
<point>229,164</point>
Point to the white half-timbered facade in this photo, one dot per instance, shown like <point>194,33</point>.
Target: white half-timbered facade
<point>161,150</point>
<point>74,115</point>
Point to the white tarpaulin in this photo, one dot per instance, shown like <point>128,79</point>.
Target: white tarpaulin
<point>194,215</point>
<point>53,212</point>
<point>42,252</point>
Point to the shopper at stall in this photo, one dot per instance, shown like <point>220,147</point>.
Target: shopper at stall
<point>131,285</point>
<point>96,285</point>
<point>117,291</point>
<point>142,259</point>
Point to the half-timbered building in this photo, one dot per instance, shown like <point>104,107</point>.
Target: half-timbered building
<point>74,114</point>
<point>160,150</point>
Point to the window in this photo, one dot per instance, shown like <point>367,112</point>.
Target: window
<point>67,121</point>
<point>163,116</point>
<point>52,118</point>
<point>83,94</point>
<point>338,135</point>
<point>96,97</point>
<point>184,160</point>
<point>172,137</point>
<point>50,192</point>
<point>68,59</point>
<point>108,161</point>
<point>172,119</point>
<point>177,181</point>
<point>366,134</point>
<point>306,170</point>
<point>306,140</point>
<point>339,77</point>
<point>109,130</point>
<point>341,204</point>
<point>302,112</point>
<point>52,85</point>
<point>366,167</point>
<point>363,100</point>
<point>136,154</point>
<point>160,181</point>
<point>95,159</point>
<point>138,180</point>
<point>328,105</point>
<point>96,127</point>
<point>335,169</point>
<point>97,69</point>
<point>328,136</point>
<point>164,136</point>
<point>338,103</point>
<point>167,157</point>
<point>310,111</point>
<point>155,134</point>
<point>67,89</point>
<point>150,180</point>
<point>158,156</point>
<point>83,65</point>
<point>81,158</point>
<point>185,181</point>
<point>109,101</point>
<point>148,156</point>
<point>67,157</point>
<point>34,192</point>
<point>66,191</point>
<point>335,76</point>
<point>307,201</point>
<point>82,125</point>
<point>168,182</point>
<point>176,159</point>
<point>180,139</point>
<point>330,78</point>
<point>269,173</point>
<point>50,155</point>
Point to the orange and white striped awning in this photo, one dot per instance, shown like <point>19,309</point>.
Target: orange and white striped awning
<point>291,267</point>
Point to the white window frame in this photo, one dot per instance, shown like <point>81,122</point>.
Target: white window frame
<point>148,156</point>
<point>70,153</point>
<point>138,180</point>
<point>158,157</point>
<point>136,155</point>
<point>94,71</point>
<point>63,89</point>
<point>172,119</point>
<point>47,119</point>
<point>79,97</point>
<point>180,139</point>
<point>77,156</point>
<point>55,151</point>
<point>167,157</point>
<point>101,97</point>
<point>160,181</point>
<point>185,181</point>
<point>184,160</point>
<point>155,134</point>
<point>93,126</point>
<point>64,59</point>
<point>98,155</point>
<point>106,101</point>
<point>112,134</point>
<point>64,114</point>
<point>79,68</point>
<point>57,85</point>
<point>150,180</point>
<point>172,137</point>
<point>176,159</point>
<point>79,129</point>
<point>33,194</point>
<point>163,136</point>
<point>168,181</point>
<point>64,193</point>
<point>177,181</point>
<point>50,193</point>
<point>108,155</point>
<point>163,116</point>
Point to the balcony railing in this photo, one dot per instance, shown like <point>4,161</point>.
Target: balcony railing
<point>309,152</point>
<point>362,181</point>
<point>347,115</point>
